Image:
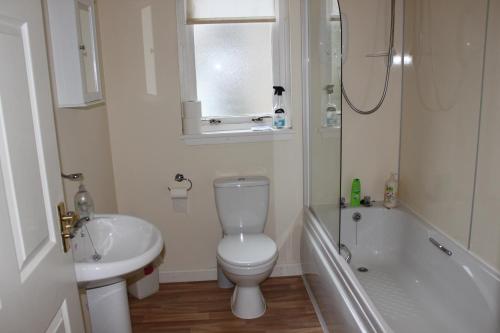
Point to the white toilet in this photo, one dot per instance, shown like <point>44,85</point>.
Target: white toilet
<point>246,255</point>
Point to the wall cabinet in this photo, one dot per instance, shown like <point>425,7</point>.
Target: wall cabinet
<point>72,31</point>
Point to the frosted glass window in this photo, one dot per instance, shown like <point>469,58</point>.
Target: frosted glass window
<point>234,71</point>
<point>200,11</point>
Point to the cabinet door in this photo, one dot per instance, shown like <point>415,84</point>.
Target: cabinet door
<point>88,50</point>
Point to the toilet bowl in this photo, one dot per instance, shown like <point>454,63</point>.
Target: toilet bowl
<point>245,254</point>
<point>247,260</point>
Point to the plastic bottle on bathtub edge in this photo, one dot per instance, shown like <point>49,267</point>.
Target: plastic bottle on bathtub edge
<point>391,191</point>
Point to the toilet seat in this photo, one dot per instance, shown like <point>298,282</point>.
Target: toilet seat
<point>247,250</point>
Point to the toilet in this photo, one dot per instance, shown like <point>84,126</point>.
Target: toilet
<point>245,254</point>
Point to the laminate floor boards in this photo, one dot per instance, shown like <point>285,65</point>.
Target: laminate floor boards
<point>194,307</point>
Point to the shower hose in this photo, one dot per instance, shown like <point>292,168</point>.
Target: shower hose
<point>387,71</point>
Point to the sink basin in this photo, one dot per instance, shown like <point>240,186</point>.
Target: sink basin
<point>105,249</point>
<point>124,244</point>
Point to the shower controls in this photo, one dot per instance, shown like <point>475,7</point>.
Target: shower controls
<point>356,217</point>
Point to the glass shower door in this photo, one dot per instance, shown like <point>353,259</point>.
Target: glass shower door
<point>324,116</point>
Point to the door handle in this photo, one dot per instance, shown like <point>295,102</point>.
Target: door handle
<point>67,220</point>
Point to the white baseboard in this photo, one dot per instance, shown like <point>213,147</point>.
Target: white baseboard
<point>287,270</point>
<point>211,274</point>
<point>188,276</point>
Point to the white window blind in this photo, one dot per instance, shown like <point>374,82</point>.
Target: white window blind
<point>229,11</point>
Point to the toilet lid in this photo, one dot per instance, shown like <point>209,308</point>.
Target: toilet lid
<point>246,249</point>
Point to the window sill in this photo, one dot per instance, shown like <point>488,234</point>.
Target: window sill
<point>222,137</point>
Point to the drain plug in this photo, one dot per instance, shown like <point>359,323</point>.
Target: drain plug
<point>363,269</point>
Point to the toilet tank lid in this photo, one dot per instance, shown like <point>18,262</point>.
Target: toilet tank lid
<point>241,181</point>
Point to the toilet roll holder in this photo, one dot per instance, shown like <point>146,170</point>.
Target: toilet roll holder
<point>180,178</point>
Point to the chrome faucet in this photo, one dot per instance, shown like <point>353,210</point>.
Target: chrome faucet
<point>342,203</point>
<point>366,201</point>
<point>78,225</point>
<point>74,177</point>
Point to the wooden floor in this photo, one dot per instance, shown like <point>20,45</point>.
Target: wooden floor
<point>203,307</point>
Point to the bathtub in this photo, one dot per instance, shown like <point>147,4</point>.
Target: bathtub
<point>397,279</point>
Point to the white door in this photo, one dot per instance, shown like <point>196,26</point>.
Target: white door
<point>38,291</point>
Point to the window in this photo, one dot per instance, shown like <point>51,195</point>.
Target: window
<point>234,69</point>
<point>230,59</point>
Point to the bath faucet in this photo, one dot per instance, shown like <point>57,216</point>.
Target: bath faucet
<point>366,201</point>
<point>342,203</point>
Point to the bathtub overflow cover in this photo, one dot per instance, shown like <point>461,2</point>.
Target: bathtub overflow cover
<point>356,217</point>
<point>363,269</point>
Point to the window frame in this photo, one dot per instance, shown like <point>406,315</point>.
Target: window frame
<point>281,70</point>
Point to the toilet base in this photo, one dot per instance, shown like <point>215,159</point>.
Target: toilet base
<point>248,302</point>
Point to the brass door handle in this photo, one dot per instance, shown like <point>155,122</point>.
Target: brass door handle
<point>67,220</point>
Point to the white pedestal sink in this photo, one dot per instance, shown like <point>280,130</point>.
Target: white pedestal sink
<point>124,244</point>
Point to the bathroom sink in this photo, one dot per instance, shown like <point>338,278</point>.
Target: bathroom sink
<point>123,244</point>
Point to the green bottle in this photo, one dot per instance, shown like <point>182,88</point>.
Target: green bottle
<point>356,193</point>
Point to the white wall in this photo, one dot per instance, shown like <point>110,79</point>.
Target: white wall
<point>370,143</point>
<point>145,135</point>
<point>83,137</point>
<point>442,101</point>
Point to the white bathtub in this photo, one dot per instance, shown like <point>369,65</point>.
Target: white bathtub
<point>410,286</point>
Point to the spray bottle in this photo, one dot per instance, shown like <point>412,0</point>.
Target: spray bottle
<point>279,120</point>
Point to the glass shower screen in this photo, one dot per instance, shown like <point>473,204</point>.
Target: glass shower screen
<point>324,112</point>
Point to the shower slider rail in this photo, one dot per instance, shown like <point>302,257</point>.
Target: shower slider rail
<point>439,246</point>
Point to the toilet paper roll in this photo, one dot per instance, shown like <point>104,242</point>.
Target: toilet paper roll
<point>178,193</point>
<point>191,126</point>
<point>179,199</point>
<point>191,109</point>
<point>180,205</point>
